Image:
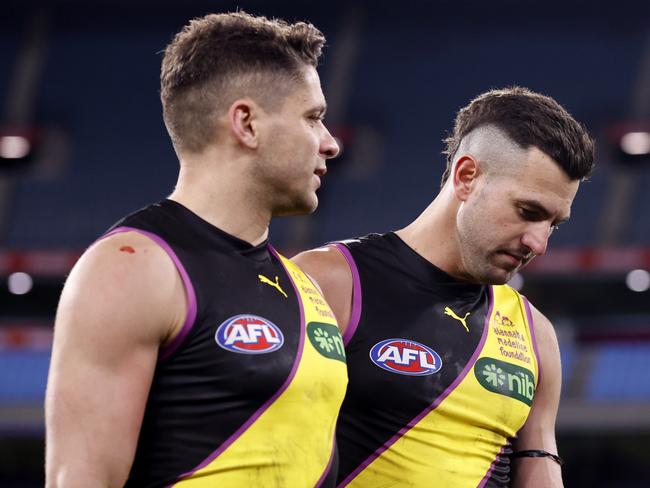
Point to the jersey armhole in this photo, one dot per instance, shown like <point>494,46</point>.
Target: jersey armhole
<point>533,339</point>
<point>190,317</point>
<point>355,313</point>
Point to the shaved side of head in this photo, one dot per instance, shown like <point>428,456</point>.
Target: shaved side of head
<point>496,153</point>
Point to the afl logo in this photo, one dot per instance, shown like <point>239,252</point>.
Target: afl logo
<point>402,356</point>
<point>249,334</point>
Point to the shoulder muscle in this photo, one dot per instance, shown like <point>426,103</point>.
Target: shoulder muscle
<point>328,267</point>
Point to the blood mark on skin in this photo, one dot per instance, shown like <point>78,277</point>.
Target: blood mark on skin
<point>128,249</point>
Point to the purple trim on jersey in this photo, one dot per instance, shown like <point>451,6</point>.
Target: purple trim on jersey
<point>531,327</point>
<point>435,403</point>
<point>486,478</point>
<point>190,317</point>
<point>329,465</point>
<point>275,396</point>
<point>355,313</point>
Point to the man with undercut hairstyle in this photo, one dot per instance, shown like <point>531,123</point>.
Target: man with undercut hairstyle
<point>186,349</point>
<point>454,377</point>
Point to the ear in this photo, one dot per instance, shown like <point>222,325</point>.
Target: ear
<point>464,176</point>
<point>242,118</point>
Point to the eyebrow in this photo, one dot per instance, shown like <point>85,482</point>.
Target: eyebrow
<point>542,210</point>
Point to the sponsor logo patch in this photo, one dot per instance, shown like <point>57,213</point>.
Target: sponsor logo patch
<point>506,379</point>
<point>402,356</point>
<point>249,334</point>
<point>502,320</point>
<point>326,339</point>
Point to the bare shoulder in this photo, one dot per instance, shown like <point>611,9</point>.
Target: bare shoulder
<point>324,264</point>
<point>545,336</point>
<point>127,248</point>
<point>128,277</point>
<point>329,268</point>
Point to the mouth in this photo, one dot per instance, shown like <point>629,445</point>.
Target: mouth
<point>512,260</point>
<point>320,171</point>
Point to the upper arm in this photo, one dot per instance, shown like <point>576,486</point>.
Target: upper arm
<point>539,430</point>
<point>328,267</point>
<point>115,311</point>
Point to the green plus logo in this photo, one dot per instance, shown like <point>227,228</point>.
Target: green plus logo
<point>494,375</point>
<point>326,339</point>
<point>505,379</point>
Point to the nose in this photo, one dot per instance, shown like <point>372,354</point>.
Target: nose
<point>536,237</point>
<point>329,148</point>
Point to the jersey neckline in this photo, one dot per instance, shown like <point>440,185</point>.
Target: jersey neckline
<point>259,252</point>
<point>429,274</point>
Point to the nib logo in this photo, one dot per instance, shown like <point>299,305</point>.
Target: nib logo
<point>494,375</point>
<point>506,379</point>
<point>327,340</point>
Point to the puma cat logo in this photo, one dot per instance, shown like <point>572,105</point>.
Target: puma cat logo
<point>452,314</point>
<point>275,284</point>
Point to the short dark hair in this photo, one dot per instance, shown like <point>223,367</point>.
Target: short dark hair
<point>528,119</point>
<point>208,62</point>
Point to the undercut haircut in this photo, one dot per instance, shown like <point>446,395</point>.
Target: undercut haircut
<point>216,59</point>
<point>528,119</point>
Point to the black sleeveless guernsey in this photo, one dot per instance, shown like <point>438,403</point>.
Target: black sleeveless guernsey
<point>248,392</point>
<point>442,373</point>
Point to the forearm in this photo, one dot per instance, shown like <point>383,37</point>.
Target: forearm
<point>74,475</point>
<point>536,472</point>
<point>80,453</point>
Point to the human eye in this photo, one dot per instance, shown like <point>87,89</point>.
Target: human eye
<point>317,114</point>
<point>529,214</point>
<point>535,214</point>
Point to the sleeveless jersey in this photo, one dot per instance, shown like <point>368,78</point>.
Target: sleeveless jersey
<point>248,392</point>
<point>442,373</point>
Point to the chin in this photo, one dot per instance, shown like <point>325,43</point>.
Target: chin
<point>302,207</point>
<point>500,280</point>
<point>495,276</point>
<point>502,276</point>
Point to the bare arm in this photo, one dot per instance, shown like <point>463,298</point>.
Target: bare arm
<point>330,270</point>
<point>539,430</point>
<point>122,300</point>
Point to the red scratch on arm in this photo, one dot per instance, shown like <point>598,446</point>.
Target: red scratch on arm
<point>128,249</point>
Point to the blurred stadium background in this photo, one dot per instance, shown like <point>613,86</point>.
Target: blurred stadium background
<point>82,143</point>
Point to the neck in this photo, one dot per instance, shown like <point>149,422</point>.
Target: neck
<point>217,189</point>
<point>433,234</point>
